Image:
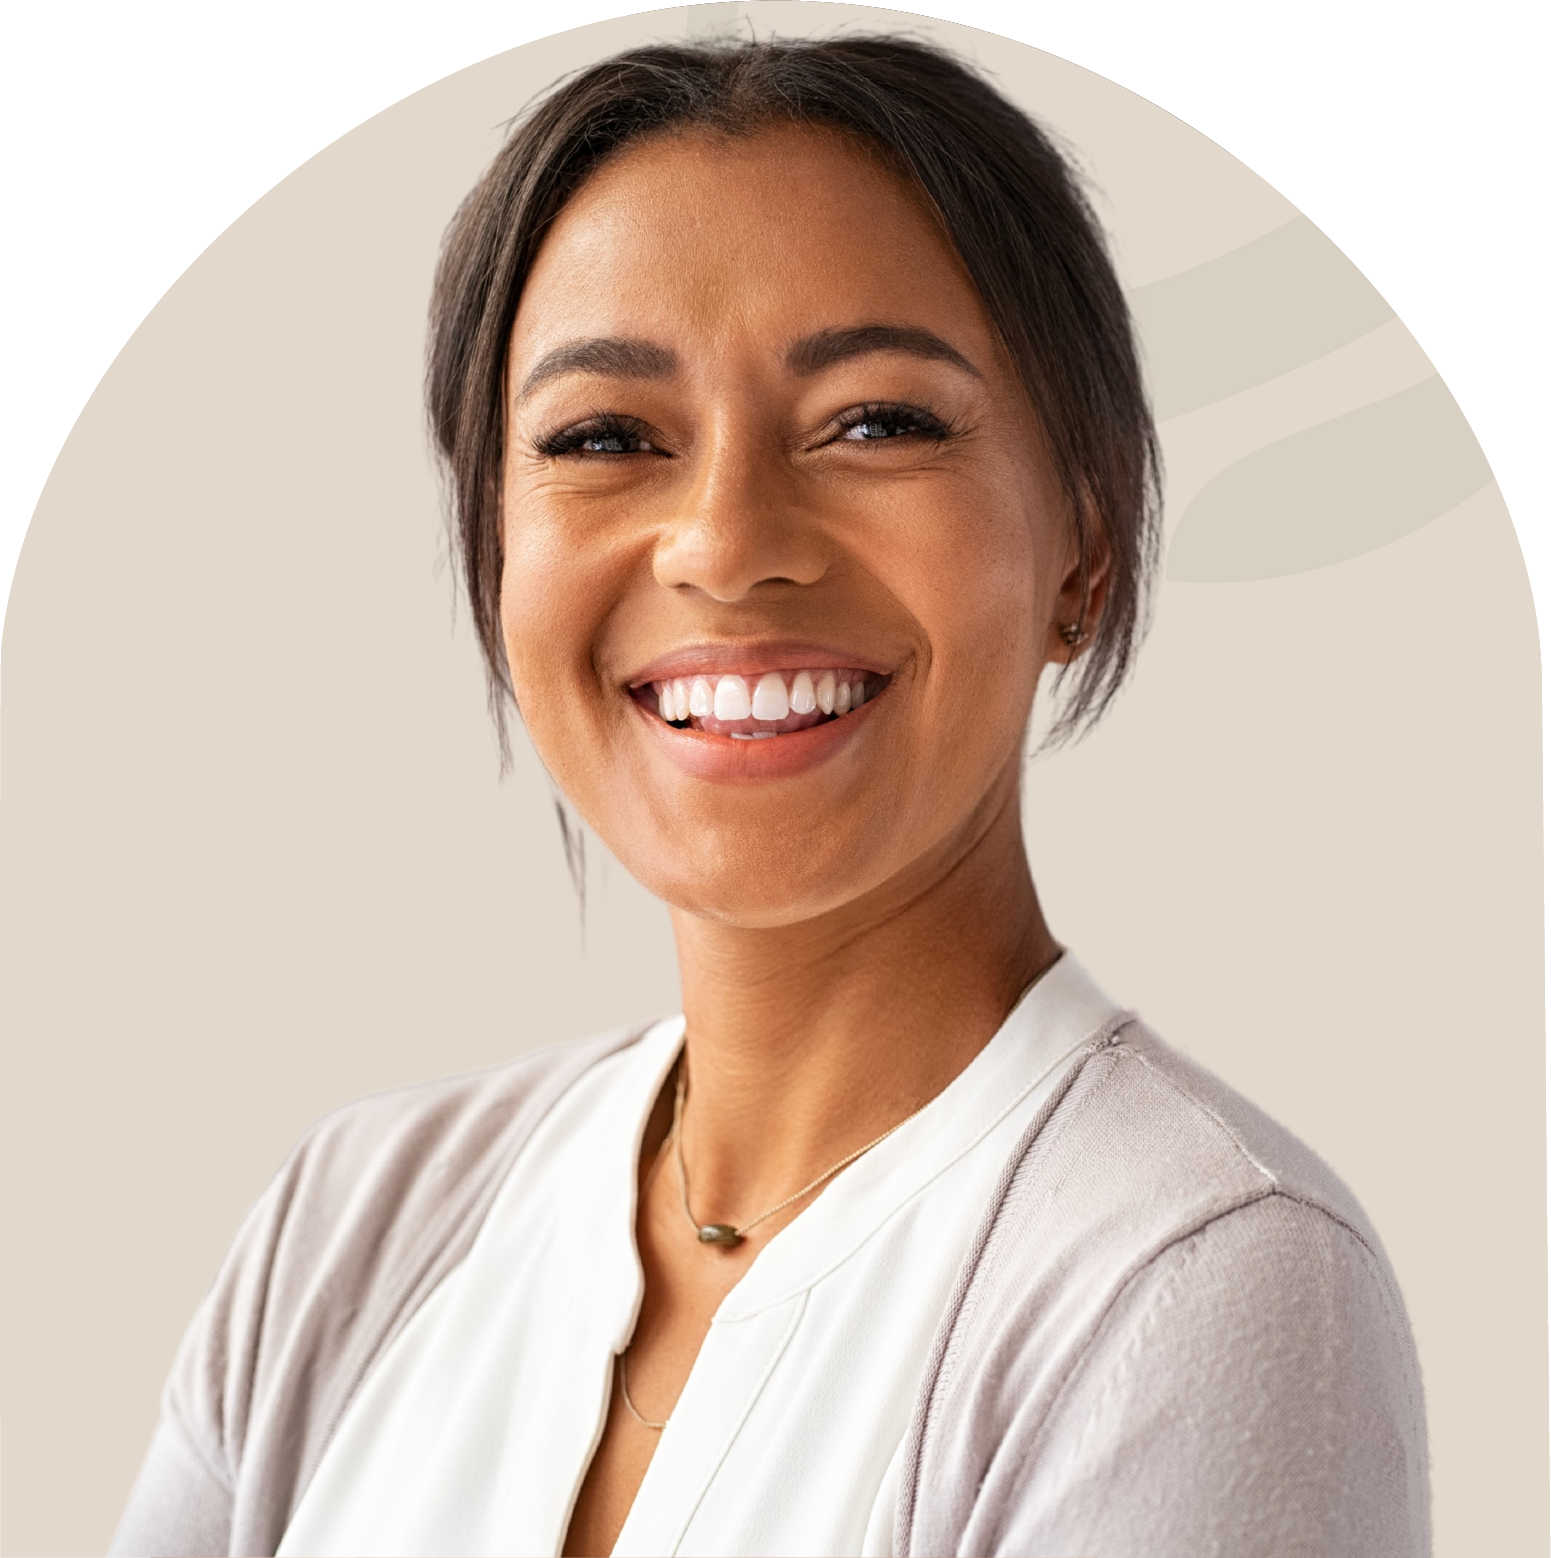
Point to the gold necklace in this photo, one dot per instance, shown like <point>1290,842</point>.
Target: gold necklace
<point>728,1237</point>
<point>724,1234</point>
<point>624,1378</point>
<point>624,1390</point>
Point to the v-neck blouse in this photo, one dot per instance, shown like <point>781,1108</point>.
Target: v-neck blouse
<point>474,1430</point>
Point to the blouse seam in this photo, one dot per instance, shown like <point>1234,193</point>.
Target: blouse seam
<point>799,1307</point>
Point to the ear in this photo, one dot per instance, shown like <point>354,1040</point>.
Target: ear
<point>1083,593</point>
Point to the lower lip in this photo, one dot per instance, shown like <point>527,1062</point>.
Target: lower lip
<point>726,760</point>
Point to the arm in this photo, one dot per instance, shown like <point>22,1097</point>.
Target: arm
<point>184,1498</point>
<point>180,1505</point>
<point>1251,1392</point>
<point>374,1205</point>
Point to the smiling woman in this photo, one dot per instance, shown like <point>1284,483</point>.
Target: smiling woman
<point>794,429</point>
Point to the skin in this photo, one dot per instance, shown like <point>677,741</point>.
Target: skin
<point>850,935</point>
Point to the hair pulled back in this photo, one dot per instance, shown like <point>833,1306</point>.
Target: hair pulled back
<point>1008,200</point>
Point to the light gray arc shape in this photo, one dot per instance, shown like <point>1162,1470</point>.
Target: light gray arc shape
<point>1332,492</point>
<point>1250,315</point>
<point>712,22</point>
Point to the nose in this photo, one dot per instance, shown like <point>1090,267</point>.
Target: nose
<point>740,525</point>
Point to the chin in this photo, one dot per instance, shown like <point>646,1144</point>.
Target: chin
<point>760,888</point>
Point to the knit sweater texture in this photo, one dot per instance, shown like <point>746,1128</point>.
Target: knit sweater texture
<point>1175,1335</point>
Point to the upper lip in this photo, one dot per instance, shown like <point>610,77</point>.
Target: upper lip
<point>749,658</point>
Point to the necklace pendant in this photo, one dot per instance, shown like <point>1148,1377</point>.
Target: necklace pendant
<point>720,1233</point>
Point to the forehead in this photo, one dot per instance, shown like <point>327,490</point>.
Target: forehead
<point>773,233</point>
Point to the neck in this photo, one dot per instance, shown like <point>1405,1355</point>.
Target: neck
<point>805,1041</point>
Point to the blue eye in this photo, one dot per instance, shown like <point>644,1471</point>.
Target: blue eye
<point>873,424</point>
<point>598,436</point>
<point>613,443</point>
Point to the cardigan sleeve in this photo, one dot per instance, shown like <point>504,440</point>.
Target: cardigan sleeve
<point>1250,1392</point>
<point>376,1202</point>
<point>180,1507</point>
<point>184,1498</point>
<point>322,1267</point>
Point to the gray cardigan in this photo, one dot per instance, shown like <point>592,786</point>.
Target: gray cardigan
<point>1175,1334</point>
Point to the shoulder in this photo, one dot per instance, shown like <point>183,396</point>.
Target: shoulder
<point>1178,1315</point>
<point>400,1176</point>
<point>430,1136</point>
<point>404,1169</point>
<point>1144,1152</point>
<point>377,1201</point>
<point>1141,1150</point>
<point>1166,1143</point>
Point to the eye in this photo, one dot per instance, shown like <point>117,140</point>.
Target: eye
<point>598,435</point>
<point>879,421</point>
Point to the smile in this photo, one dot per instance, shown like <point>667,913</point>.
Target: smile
<point>754,708</point>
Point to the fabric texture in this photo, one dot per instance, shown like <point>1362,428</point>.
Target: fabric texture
<point>805,1380</point>
<point>1175,1335</point>
<point>1179,1335</point>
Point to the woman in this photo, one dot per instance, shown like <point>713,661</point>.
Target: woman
<point>794,429</point>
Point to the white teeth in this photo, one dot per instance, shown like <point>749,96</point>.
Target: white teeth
<point>770,700</point>
<point>732,698</point>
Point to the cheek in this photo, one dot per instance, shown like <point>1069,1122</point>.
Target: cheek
<point>553,599</point>
<point>974,577</point>
<point>561,576</point>
<point>541,607</point>
<point>949,570</point>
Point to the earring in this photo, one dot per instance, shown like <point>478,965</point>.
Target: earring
<point>1073,634</point>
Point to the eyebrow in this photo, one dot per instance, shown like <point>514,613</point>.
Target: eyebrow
<point>816,352</point>
<point>617,356</point>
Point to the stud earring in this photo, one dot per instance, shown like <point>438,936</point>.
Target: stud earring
<point>1073,634</point>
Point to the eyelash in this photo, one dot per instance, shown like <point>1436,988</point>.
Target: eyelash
<point>570,440</point>
<point>904,419</point>
<point>897,414</point>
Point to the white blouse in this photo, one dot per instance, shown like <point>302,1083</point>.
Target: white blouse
<point>473,1432</point>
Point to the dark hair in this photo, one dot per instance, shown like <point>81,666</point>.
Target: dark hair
<point>1008,200</point>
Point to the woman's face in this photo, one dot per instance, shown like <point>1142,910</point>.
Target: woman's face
<point>784,555</point>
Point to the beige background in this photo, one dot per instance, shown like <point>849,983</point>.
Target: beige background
<point>257,859</point>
